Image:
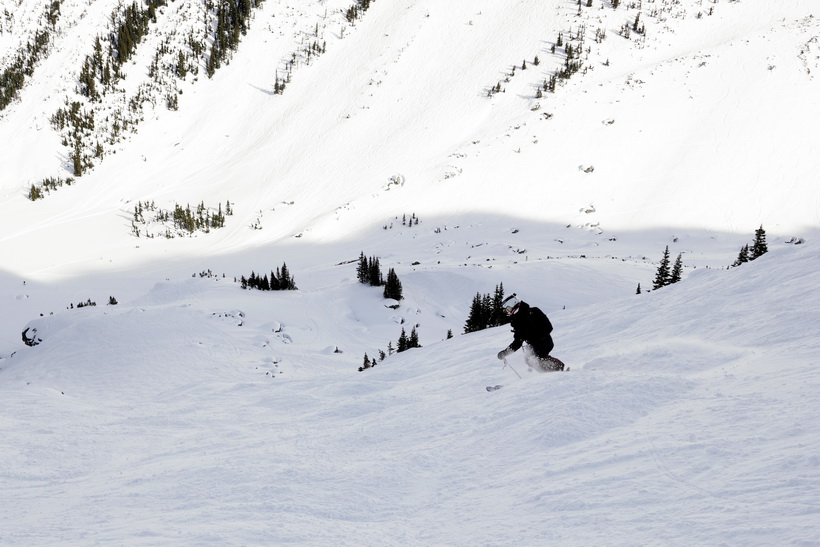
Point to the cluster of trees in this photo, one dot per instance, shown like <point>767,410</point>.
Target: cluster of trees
<point>279,84</point>
<point>410,221</point>
<point>667,274</point>
<point>232,18</point>
<point>47,185</point>
<point>369,272</point>
<point>203,219</point>
<point>572,58</point>
<point>392,287</point>
<point>13,77</point>
<point>111,302</point>
<point>105,69</point>
<point>404,343</point>
<point>99,75</point>
<point>79,123</point>
<point>357,10</point>
<point>759,248</point>
<point>184,219</point>
<point>281,280</point>
<point>102,70</point>
<point>486,311</point>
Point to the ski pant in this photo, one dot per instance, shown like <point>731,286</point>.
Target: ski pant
<point>537,355</point>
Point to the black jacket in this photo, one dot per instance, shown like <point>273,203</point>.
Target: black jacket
<point>530,325</point>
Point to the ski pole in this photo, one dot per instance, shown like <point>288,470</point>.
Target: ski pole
<point>506,364</point>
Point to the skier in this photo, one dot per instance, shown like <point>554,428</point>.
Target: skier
<point>530,325</point>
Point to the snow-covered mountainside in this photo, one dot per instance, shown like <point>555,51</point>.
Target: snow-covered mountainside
<point>155,154</point>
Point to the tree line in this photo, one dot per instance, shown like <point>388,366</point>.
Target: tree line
<point>486,311</point>
<point>280,280</point>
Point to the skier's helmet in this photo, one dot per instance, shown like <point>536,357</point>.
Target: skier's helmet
<point>510,304</point>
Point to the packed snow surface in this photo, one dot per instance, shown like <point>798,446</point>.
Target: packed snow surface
<point>192,411</point>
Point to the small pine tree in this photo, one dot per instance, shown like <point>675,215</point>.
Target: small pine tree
<point>393,289</point>
<point>402,343</point>
<point>475,319</point>
<point>286,282</point>
<point>742,257</point>
<point>375,273</point>
<point>677,270</point>
<point>362,271</point>
<point>663,273</point>
<point>413,341</point>
<point>77,160</point>
<point>759,247</point>
<point>498,315</point>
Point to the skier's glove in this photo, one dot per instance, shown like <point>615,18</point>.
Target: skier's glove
<point>504,352</point>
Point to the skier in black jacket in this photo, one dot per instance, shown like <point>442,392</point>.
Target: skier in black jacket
<point>530,325</point>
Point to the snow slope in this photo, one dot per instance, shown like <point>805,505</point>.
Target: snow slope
<point>193,412</point>
<point>687,418</point>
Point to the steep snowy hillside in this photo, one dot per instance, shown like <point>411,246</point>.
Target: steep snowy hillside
<point>665,115</point>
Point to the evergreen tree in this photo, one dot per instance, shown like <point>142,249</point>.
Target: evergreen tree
<point>759,247</point>
<point>375,272</point>
<point>677,270</point>
<point>498,315</point>
<point>392,289</point>
<point>475,320</point>
<point>285,280</point>
<point>486,311</point>
<point>362,271</point>
<point>413,341</point>
<point>402,343</point>
<point>366,364</point>
<point>77,160</point>
<point>663,274</point>
<point>742,257</point>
